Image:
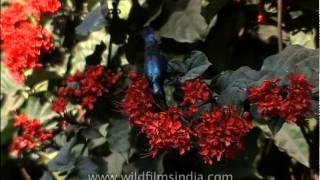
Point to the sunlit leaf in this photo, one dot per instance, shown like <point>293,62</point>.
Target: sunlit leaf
<point>8,84</point>
<point>119,137</point>
<point>186,25</point>
<point>9,104</point>
<point>94,21</point>
<point>291,140</point>
<point>41,110</point>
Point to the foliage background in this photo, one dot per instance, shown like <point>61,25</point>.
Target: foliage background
<point>223,44</point>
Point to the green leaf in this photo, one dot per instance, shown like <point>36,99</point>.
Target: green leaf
<point>197,64</point>
<point>190,68</point>
<point>38,77</point>
<point>41,86</point>
<point>91,133</point>
<point>142,165</point>
<point>291,140</point>
<point>9,104</point>
<point>60,139</point>
<point>234,94</point>
<point>119,137</point>
<point>290,61</point>
<point>304,38</point>
<point>8,84</point>
<point>211,8</point>
<point>115,162</point>
<point>85,167</point>
<point>86,47</point>
<point>243,166</point>
<point>60,69</point>
<point>95,20</point>
<point>64,160</point>
<point>169,91</point>
<point>243,75</point>
<point>233,85</point>
<point>46,176</point>
<point>187,25</point>
<point>269,128</point>
<point>41,110</point>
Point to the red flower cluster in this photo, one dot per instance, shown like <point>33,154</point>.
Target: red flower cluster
<point>195,91</point>
<point>85,87</point>
<point>217,134</point>
<point>220,132</point>
<point>32,137</point>
<point>290,103</point>
<point>267,97</point>
<point>298,100</point>
<point>138,99</point>
<point>165,131</point>
<point>22,37</point>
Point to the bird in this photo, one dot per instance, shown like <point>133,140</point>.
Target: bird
<point>155,65</point>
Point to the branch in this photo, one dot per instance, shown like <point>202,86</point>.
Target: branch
<point>25,174</point>
<point>306,136</point>
<point>279,21</point>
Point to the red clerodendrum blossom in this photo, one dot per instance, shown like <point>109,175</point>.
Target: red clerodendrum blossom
<point>220,132</point>
<point>267,97</point>
<point>85,87</point>
<point>195,91</point>
<point>138,99</point>
<point>45,6</point>
<point>297,103</point>
<point>32,136</point>
<point>22,38</point>
<point>163,129</point>
<point>290,103</point>
<point>166,131</point>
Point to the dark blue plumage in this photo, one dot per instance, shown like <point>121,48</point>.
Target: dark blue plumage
<point>155,65</point>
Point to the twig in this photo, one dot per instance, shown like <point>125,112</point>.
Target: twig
<point>84,146</point>
<point>306,136</point>
<point>80,116</point>
<point>24,173</point>
<point>114,16</point>
<point>109,50</point>
<point>279,21</point>
<point>291,172</point>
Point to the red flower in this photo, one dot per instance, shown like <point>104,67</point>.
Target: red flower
<point>220,132</point>
<point>195,91</point>
<point>22,39</point>
<point>32,135</point>
<point>84,88</point>
<point>267,97</point>
<point>138,99</point>
<point>165,131</point>
<point>46,6</point>
<point>297,103</point>
<point>291,103</point>
<point>58,105</point>
<point>20,121</point>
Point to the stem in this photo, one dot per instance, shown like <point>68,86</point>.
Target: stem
<point>279,21</point>
<point>80,117</point>
<point>24,173</point>
<point>84,147</point>
<point>109,50</point>
<point>114,15</point>
<point>291,174</point>
<point>306,136</point>
<point>268,146</point>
